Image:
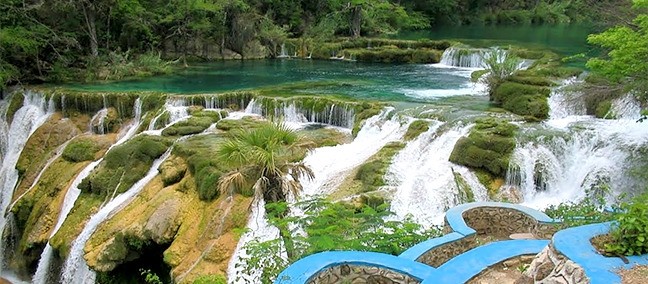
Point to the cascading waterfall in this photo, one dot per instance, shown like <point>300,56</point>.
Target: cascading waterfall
<point>294,112</point>
<point>96,124</point>
<point>34,112</point>
<point>43,274</point>
<point>259,230</point>
<point>572,153</point>
<point>422,177</point>
<point>463,57</point>
<point>75,269</point>
<point>57,154</point>
<point>331,165</point>
<point>177,110</point>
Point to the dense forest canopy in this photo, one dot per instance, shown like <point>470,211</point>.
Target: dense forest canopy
<point>46,40</point>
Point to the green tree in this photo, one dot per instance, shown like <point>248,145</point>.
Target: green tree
<point>627,45</point>
<point>267,159</point>
<point>500,65</point>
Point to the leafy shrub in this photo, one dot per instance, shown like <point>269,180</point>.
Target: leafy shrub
<point>79,150</point>
<point>359,229</point>
<point>630,232</point>
<point>590,210</point>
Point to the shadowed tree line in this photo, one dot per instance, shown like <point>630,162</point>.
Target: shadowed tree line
<point>53,41</point>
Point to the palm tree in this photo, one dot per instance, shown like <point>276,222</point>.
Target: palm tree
<point>500,65</point>
<point>267,158</point>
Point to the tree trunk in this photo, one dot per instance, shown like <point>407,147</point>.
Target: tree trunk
<point>356,21</point>
<point>91,28</point>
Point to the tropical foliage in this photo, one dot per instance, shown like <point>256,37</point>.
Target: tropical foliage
<point>500,65</point>
<point>266,159</point>
<point>627,53</point>
<point>329,226</point>
<point>105,39</point>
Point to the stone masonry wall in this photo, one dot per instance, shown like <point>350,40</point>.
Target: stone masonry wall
<point>501,222</point>
<point>360,274</point>
<point>439,255</point>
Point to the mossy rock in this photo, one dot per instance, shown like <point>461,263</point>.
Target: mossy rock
<point>416,128</point>
<point>244,123</point>
<point>124,165</point>
<point>85,206</point>
<point>371,174</point>
<point>200,154</point>
<point>465,193</point>
<point>603,110</point>
<point>475,75</point>
<point>488,147</point>
<point>323,136</point>
<point>17,102</point>
<point>81,149</point>
<point>192,125</point>
<point>521,99</point>
<point>173,170</point>
<point>396,55</point>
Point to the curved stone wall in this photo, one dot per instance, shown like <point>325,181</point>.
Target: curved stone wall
<point>444,258</point>
<point>361,274</point>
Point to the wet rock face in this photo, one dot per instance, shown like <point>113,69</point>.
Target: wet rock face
<point>549,266</point>
<point>360,274</point>
<point>164,222</point>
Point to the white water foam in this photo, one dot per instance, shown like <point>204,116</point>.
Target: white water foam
<point>332,164</point>
<point>580,153</point>
<point>26,120</point>
<point>422,176</point>
<point>259,230</point>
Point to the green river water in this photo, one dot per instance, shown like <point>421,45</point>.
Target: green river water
<point>417,83</point>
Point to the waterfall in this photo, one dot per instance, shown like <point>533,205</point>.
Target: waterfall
<point>572,153</point>
<point>294,111</point>
<point>58,153</point>
<point>75,269</point>
<point>284,53</point>
<point>43,274</point>
<point>34,112</point>
<point>423,179</point>
<point>96,124</point>
<point>564,101</point>
<point>175,108</point>
<point>331,165</point>
<point>259,230</point>
<point>463,57</point>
